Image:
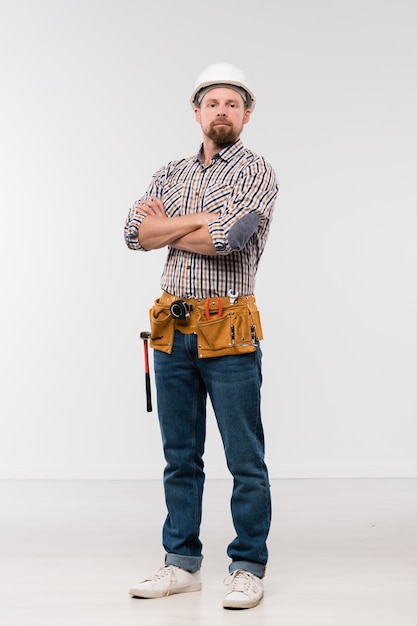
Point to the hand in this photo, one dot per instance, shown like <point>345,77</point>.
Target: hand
<point>207,217</point>
<point>153,206</point>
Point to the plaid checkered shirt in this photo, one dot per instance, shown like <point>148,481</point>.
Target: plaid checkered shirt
<point>241,188</point>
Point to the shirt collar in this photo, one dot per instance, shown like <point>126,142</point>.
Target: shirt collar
<point>227,154</point>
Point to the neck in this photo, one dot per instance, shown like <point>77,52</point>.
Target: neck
<point>210,148</point>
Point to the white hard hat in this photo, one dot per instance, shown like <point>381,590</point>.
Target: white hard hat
<point>222,74</point>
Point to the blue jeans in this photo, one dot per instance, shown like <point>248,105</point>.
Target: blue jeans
<point>233,384</point>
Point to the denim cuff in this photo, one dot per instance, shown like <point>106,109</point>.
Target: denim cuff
<point>190,563</point>
<point>258,569</point>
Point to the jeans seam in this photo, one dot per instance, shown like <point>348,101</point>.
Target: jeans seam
<point>195,485</point>
<point>197,504</point>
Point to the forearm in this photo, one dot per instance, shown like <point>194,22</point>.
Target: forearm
<point>199,242</point>
<point>156,232</point>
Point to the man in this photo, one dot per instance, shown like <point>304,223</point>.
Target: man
<point>213,213</point>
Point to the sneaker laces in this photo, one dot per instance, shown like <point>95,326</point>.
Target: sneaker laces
<point>163,572</point>
<point>240,581</point>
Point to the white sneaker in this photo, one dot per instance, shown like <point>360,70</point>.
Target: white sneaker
<point>244,590</point>
<point>168,580</point>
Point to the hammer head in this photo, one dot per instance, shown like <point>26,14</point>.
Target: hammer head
<point>145,334</point>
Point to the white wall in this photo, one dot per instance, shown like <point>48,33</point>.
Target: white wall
<point>94,99</point>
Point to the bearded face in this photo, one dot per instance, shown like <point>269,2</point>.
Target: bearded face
<point>223,134</point>
<point>222,115</point>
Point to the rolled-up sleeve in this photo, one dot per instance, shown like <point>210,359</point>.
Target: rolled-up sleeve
<point>134,218</point>
<point>131,230</point>
<point>248,209</point>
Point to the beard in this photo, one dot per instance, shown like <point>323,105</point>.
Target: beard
<point>222,135</point>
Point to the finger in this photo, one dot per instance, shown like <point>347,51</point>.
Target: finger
<point>148,207</point>
<point>157,204</point>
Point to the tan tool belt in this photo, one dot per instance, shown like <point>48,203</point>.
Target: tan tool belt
<point>224,326</point>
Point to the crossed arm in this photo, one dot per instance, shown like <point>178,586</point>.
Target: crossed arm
<point>185,232</point>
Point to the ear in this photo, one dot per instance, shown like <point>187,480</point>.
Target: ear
<point>197,115</point>
<point>246,116</point>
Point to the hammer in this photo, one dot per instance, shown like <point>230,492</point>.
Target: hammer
<point>145,335</point>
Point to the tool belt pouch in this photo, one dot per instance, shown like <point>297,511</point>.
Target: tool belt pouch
<point>162,327</point>
<point>235,332</point>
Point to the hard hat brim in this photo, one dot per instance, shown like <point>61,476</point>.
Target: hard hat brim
<point>232,83</point>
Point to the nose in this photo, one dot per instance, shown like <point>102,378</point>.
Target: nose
<point>221,112</point>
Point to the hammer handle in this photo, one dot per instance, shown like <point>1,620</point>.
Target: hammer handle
<point>147,377</point>
<point>148,392</point>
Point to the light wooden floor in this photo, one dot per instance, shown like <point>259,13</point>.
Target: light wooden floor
<point>342,553</point>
